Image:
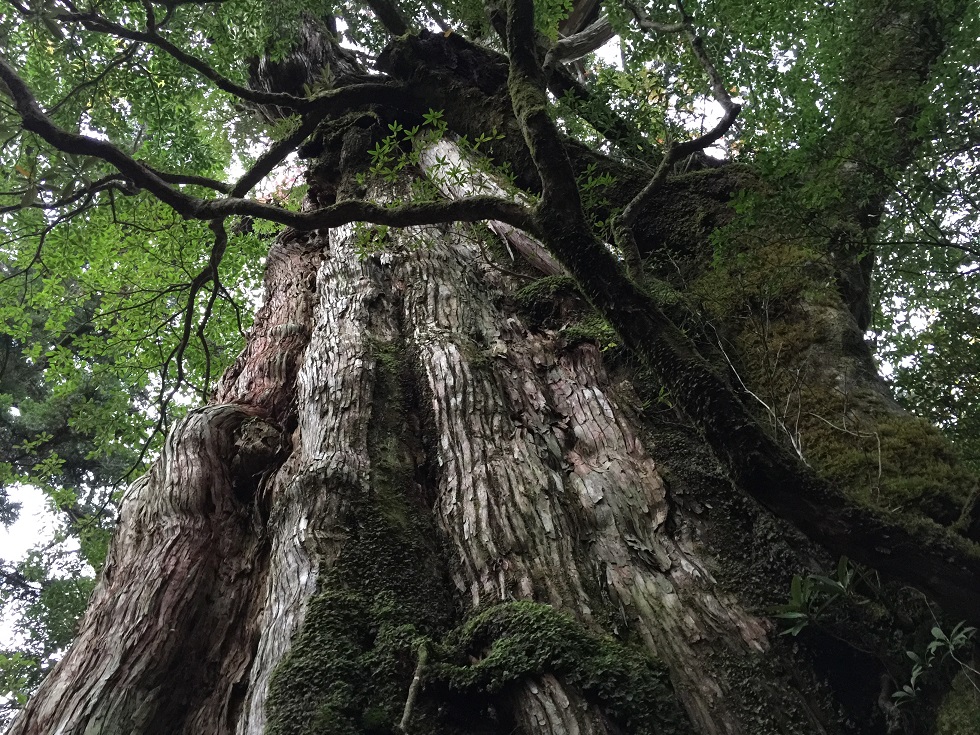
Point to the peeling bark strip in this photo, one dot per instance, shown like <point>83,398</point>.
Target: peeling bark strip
<point>264,375</point>
<point>333,397</point>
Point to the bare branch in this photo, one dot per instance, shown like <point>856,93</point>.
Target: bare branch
<point>444,154</point>
<point>116,181</point>
<point>581,44</point>
<point>275,155</point>
<point>471,209</point>
<point>209,274</point>
<point>623,223</point>
<point>413,689</point>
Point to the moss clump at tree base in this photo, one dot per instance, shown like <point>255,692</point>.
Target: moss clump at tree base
<point>513,641</point>
<point>346,671</point>
<point>350,669</point>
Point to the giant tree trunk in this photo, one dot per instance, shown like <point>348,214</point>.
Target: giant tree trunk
<point>396,452</point>
<point>411,472</point>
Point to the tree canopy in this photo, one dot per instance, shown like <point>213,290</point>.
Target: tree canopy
<point>144,168</point>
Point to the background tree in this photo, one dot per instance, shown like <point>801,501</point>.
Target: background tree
<point>545,411</point>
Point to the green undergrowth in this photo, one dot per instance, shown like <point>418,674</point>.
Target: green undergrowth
<point>959,713</point>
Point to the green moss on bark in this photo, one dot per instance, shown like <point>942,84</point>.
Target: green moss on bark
<point>510,642</point>
<point>959,713</point>
<point>350,666</point>
<point>797,348</point>
<point>347,669</point>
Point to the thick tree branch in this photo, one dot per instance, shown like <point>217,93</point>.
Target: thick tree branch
<point>580,16</point>
<point>472,209</point>
<point>36,121</point>
<point>941,563</point>
<point>580,44</point>
<point>526,84</point>
<point>930,557</point>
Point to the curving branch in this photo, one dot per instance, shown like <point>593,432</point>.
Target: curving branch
<point>649,24</point>
<point>36,121</point>
<point>190,180</point>
<point>580,44</point>
<point>209,274</point>
<point>98,24</point>
<point>526,84</point>
<point>471,209</point>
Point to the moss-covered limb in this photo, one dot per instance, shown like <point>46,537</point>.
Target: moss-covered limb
<point>510,642</point>
<point>775,301</point>
<point>925,556</point>
<point>526,85</point>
